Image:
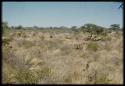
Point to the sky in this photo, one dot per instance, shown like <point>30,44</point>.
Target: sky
<point>46,14</point>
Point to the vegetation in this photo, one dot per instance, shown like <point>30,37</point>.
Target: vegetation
<point>42,55</point>
<point>92,46</point>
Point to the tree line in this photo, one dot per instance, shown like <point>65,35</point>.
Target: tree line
<point>89,28</point>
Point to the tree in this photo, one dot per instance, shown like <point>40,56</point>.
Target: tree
<point>4,26</point>
<point>63,27</point>
<point>92,29</point>
<point>114,27</point>
<point>74,29</point>
<point>19,27</point>
<point>83,29</point>
<point>35,27</point>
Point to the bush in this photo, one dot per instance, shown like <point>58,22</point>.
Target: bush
<point>31,77</point>
<point>7,73</point>
<point>25,43</point>
<point>92,46</point>
<point>26,77</point>
<point>65,50</point>
<point>78,46</point>
<point>19,34</point>
<point>5,41</point>
<point>102,79</point>
<point>106,38</point>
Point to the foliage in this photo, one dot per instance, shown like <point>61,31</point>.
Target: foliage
<point>4,27</point>
<point>93,46</point>
<point>114,27</point>
<point>31,77</point>
<point>5,41</point>
<point>92,28</point>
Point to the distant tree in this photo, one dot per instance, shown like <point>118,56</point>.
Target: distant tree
<point>83,29</point>
<point>92,29</point>
<point>19,27</point>
<point>41,28</point>
<point>4,26</point>
<point>35,27</point>
<point>63,27</point>
<point>114,27</point>
<point>50,27</point>
<point>12,27</point>
<point>75,29</point>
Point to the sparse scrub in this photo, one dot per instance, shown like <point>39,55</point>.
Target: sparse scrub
<point>5,41</point>
<point>102,80</point>
<point>7,73</point>
<point>19,34</point>
<point>42,38</point>
<point>65,50</point>
<point>56,56</point>
<point>78,46</point>
<point>92,46</point>
<point>107,38</point>
<point>107,47</point>
<point>26,77</point>
<point>25,43</point>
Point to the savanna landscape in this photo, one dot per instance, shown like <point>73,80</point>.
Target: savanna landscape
<point>62,43</point>
<point>62,56</point>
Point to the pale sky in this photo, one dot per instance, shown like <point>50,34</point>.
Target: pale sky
<point>45,14</point>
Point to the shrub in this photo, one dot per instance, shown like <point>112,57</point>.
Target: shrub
<point>5,41</point>
<point>42,37</point>
<point>102,79</point>
<point>7,71</point>
<point>65,50</point>
<point>92,46</point>
<point>78,46</point>
<point>31,77</point>
<point>26,77</point>
<point>19,34</point>
<point>107,38</point>
<point>25,43</point>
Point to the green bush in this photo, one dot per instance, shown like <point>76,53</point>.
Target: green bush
<point>102,80</point>
<point>26,77</point>
<point>106,38</point>
<point>92,46</point>
<point>5,41</point>
<point>31,77</point>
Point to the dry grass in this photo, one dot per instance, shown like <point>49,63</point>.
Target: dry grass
<point>32,57</point>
